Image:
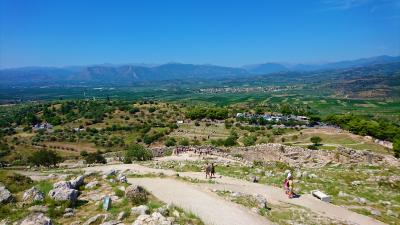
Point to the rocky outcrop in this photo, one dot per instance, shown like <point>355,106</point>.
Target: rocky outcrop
<point>136,194</point>
<point>153,219</point>
<point>5,195</point>
<point>33,194</point>
<point>36,219</point>
<point>62,184</point>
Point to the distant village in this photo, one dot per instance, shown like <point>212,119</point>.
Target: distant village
<point>245,89</point>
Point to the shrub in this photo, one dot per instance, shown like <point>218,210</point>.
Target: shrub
<point>45,158</point>
<point>316,140</point>
<point>312,147</point>
<point>95,157</point>
<point>4,149</point>
<point>136,194</point>
<point>230,141</point>
<point>249,140</point>
<point>15,182</point>
<point>83,153</point>
<point>170,142</point>
<point>137,152</point>
<point>118,192</point>
<point>396,147</point>
<point>258,163</point>
<point>217,142</point>
<point>184,142</point>
<point>134,110</point>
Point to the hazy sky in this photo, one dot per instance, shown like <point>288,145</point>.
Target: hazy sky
<point>232,32</point>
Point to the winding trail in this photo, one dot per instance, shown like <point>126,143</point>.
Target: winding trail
<point>208,206</point>
<point>214,210</point>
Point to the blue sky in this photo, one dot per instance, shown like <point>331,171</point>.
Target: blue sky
<point>232,33</point>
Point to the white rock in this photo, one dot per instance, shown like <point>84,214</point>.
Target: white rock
<point>5,195</point>
<point>375,212</point>
<point>96,219</point>
<point>36,219</point>
<point>33,194</point>
<point>64,194</point>
<point>39,208</point>
<point>92,184</point>
<point>391,213</point>
<point>77,182</point>
<point>62,184</point>
<point>140,210</point>
<point>360,200</point>
<point>343,194</point>
<point>122,215</point>
<point>312,176</point>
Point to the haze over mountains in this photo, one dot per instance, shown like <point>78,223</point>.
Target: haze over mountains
<point>132,73</point>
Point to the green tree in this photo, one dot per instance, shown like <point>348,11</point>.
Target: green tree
<point>45,157</point>
<point>137,152</point>
<point>316,140</point>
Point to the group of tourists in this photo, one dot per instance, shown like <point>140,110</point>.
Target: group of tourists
<point>197,150</point>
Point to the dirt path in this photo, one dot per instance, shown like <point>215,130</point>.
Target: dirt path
<point>273,194</point>
<point>208,206</point>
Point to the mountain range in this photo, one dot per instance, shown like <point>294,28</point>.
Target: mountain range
<point>133,73</point>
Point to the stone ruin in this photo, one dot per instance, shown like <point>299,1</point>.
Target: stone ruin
<point>298,156</point>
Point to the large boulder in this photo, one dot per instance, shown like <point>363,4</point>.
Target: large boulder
<point>5,195</point>
<point>33,194</point>
<point>36,219</point>
<point>64,194</point>
<point>136,194</point>
<point>77,182</point>
<point>62,184</point>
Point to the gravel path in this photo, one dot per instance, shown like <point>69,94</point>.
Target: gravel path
<point>208,206</point>
<point>167,189</point>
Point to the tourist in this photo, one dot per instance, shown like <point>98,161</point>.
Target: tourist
<point>212,170</point>
<point>290,187</point>
<point>208,171</point>
<point>286,183</point>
